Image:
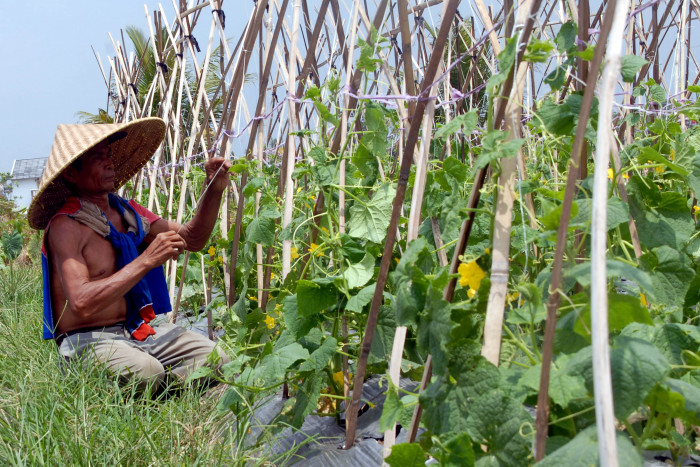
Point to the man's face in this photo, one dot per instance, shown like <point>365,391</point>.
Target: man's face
<point>96,174</point>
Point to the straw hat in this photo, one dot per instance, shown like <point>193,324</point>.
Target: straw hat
<point>132,145</point>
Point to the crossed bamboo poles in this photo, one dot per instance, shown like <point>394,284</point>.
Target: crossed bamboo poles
<point>290,56</point>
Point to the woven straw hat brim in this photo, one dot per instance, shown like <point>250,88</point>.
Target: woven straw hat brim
<point>129,154</point>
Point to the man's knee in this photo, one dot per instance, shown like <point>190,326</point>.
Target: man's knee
<point>196,349</point>
<point>144,370</point>
<point>130,364</point>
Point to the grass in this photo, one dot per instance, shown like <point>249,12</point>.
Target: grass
<point>68,414</point>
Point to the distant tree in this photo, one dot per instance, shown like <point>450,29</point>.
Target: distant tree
<point>6,185</point>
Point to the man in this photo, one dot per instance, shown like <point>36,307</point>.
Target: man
<point>103,255</point>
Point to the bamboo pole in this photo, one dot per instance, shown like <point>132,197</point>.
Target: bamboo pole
<point>602,379</point>
<point>578,158</point>
<point>353,406</point>
<point>500,263</point>
<point>468,223</point>
<point>291,147</point>
<point>412,234</point>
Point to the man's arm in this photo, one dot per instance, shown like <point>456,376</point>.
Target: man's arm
<point>88,298</point>
<point>197,231</point>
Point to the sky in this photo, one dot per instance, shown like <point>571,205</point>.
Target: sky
<point>48,71</point>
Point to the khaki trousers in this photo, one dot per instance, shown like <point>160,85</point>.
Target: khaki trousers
<point>172,350</point>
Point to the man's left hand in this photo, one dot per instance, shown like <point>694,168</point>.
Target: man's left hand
<point>217,170</point>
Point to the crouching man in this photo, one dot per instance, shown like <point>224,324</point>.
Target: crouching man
<point>103,255</point>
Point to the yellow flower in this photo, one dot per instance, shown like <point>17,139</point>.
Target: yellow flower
<point>272,274</point>
<point>315,249</point>
<point>643,300</point>
<point>295,252</point>
<point>696,209</point>
<point>471,293</point>
<point>211,250</point>
<point>512,296</point>
<point>660,168</point>
<point>471,275</point>
<point>270,322</point>
<point>221,259</point>
<point>299,190</point>
<point>625,176</point>
<point>487,251</point>
<point>338,377</point>
<point>255,299</point>
<point>610,174</point>
<point>324,229</point>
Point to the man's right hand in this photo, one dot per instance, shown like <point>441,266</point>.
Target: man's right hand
<point>166,245</point>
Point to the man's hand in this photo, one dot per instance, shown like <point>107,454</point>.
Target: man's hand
<point>217,170</point>
<point>166,245</point>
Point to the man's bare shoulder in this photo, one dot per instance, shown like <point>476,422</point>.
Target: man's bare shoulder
<point>66,233</point>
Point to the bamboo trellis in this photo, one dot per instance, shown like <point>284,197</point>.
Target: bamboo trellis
<point>209,110</point>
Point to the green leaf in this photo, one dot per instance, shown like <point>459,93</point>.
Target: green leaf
<point>670,271</point>
<point>678,399</point>
<point>392,408</point>
<point>495,147</point>
<point>261,230</point>
<point>297,324</point>
<point>357,302</point>
<point>622,310</point>
<point>306,400</point>
<point>406,455</point>
<point>370,220</point>
<point>12,244</point>
<point>496,420</point>
<point>672,339</point>
<point>375,137</point>
<point>366,163</point>
<point>358,274</point>
<point>366,61</point>
<point>434,328</point>
<point>455,169</point>
<point>618,212</point>
<point>657,93</point>
<point>505,63</point>
<point>631,64</point>
<point>234,367</point>
<point>551,214</point>
<point>566,37</point>
<point>647,154</point>
<point>383,336</point>
<point>444,405</point>
<point>556,78</point>
<point>457,451</point>
<point>637,366</point>
<point>587,54</point>
<point>253,185</point>
<point>410,281</point>
<point>582,451</point>
<point>538,50</point>
<point>274,366</point>
<point>563,386</point>
<point>231,396</point>
<point>315,296</point>
<point>319,358</point>
<point>326,114</point>
<point>662,218</point>
<point>467,122</point>
<point>201,372</point>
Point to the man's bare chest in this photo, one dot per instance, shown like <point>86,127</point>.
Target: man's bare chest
<point>100,256</point>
